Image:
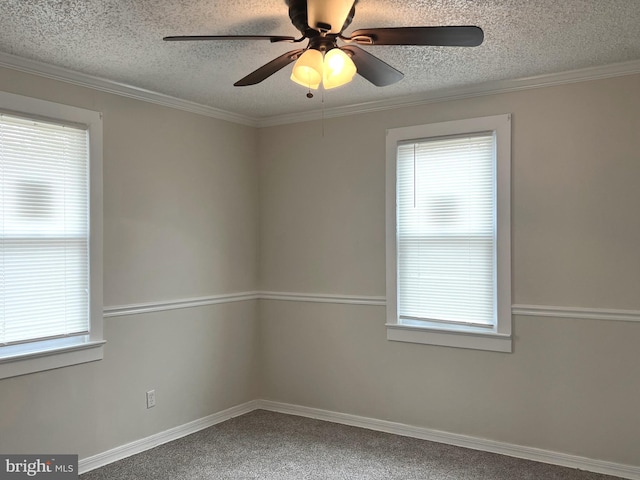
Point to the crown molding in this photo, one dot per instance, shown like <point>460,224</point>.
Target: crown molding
<point>458,93</point>
<point>489,88</point>
<point>54,72</point>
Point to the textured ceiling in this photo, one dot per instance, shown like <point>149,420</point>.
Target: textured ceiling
<point>121,40</point>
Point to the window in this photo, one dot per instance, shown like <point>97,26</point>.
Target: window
<point>449,235</point>
<point>50,235</point>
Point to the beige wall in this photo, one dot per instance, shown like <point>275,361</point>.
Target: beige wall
<point>196,206</point>
<point>180,221</point>
<point>571,384</point>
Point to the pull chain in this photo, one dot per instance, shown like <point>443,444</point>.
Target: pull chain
<point>322,101</point>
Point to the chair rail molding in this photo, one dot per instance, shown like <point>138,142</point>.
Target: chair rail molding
<point>577,313</point>
<point>580,313</point>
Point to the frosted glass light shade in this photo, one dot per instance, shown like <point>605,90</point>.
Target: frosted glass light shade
<point>338,69</point>
<point>307,70</point>
<point>328,15</point>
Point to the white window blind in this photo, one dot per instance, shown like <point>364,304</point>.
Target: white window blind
<point>445,207</point>
<point>44,225</point>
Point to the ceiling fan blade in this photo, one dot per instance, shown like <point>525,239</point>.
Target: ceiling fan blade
<point>469,36</point>
<point>188,38</point>
<point>372,68</point>
<point>269,69</point>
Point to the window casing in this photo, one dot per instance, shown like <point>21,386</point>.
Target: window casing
<point>449,235</point>
<point>50,235</point>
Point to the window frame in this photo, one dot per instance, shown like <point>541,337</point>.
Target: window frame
<point>498,338</point>
<point>31,357</point>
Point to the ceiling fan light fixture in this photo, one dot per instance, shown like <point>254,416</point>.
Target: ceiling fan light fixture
<point>307,71</point>
<point>322,23</point>
<point>328,15</point>
<point>339,69</point>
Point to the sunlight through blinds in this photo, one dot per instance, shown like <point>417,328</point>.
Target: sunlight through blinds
<point>446,230</point>
<point>44,250</point>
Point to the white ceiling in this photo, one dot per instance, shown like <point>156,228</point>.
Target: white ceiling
<point>121,41</point>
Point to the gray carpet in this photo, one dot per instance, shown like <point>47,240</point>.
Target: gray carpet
<point>267,445</point>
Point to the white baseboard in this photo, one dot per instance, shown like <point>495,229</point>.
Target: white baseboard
<point>139,446</point>
<point>529,453</point>
<point>518,451</point>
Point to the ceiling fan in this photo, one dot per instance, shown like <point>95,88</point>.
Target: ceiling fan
<point>322,61</point>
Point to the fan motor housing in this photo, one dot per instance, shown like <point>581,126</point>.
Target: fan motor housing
<point>323,43</point>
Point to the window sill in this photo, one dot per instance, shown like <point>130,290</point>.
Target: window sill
<point>450,337</point>
<point>18,360</point>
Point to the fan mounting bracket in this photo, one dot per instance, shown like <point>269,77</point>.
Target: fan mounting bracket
<point>298,16</point>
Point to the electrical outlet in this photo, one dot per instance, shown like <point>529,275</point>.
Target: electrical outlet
<point>151,398</point>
